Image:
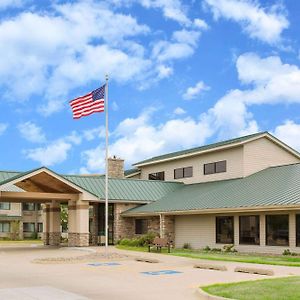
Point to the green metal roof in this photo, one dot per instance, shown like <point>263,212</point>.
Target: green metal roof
<point>119,189</point>
<point>131,171</point>
<point>271,187</point>
<point>125,189</point>
<point>202,148</point>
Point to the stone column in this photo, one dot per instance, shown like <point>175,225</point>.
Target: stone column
<point>82,223</point>
<point>167,227</point>
<point>72,236</point>
<point>21,236</point>
<point>78,235</point>
<point>46,223</point>
<point>54,232</point>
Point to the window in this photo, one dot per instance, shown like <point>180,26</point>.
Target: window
<point>224,230</point>
<point>40,227</point>
<point>28,227</point>
<point>39,206</point>
<point>29,206</point>
<point>298,230</point>
<point>157,176</point>
<point>215,167</point>
<point>277,230</point>
<point>183,172</point>
<point>141,226</point>
<point>4,227</point>
<point>4,206</point>
<point>249,230</point>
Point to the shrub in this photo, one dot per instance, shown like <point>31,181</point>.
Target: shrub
<point>216,249</point>
<point>187,246</point>
<point>286,252</point>
<point>229,248</point>
<point>206,248</point>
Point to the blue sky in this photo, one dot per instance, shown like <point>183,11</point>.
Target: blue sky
<point>182,74</point>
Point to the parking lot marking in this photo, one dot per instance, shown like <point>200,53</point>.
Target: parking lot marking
<point>162,272</point>
<point>107,264</point>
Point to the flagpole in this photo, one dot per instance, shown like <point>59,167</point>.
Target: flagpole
<point>106,165</point>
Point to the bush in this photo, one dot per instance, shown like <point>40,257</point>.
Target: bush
<point>206,248</point>
<point>286,252</point>
<point>216,249</point>
<point>187,246</point>
<point>141,241</point>
<point>229,248</point>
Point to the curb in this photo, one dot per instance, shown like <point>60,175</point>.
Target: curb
<point>205,296</point>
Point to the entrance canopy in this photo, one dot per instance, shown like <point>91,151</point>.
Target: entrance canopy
<point>40,185</point>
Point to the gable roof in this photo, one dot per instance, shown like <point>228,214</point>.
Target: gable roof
<point>214,147</point>
<point>131,172</point>
<point>126,190</point>
<point>275,186</point>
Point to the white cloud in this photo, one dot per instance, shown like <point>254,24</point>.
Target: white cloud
<point>78,34</point>
<point>164,71</point>
<point>31,132</point>
<point>3,128</point>
<point>52,154</point>
<point>193,91</point>
<point>201,24</point>
<point>179,111</point>
<point>137,138</point>
<point>172,9</point>
<point>265,24</point>
<point>182,45</point>
<point>4,4</point>
<point>273,81</point>
<point>289,132</point>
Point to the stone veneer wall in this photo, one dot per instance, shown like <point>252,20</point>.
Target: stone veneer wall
<point>123,227</point>
<point>78,239</point>
<point>154,225</point>
<point>168,227</point>
<point>54,238</point>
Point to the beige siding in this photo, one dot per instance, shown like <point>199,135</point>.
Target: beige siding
<point>233,156</point>
<point>15,210</point>
<point>199,231</point>
<point>263,153</point>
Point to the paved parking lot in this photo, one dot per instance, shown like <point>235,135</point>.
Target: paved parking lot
<point>171,278</point>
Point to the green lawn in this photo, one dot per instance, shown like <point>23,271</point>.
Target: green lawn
<point>281,260</point>
<point>287,288</point>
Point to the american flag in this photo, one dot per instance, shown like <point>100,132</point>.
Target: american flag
<point>85,105</point>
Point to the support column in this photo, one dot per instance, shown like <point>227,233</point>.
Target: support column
<point>46,223</point>
<point>78,224</point>
<point>262,230</point>
<point>236,230</point>
<point>292,230</point>
<point>82,222</point>
<point>95,224</point>
<point>72,240</point>
<point>54,232</point>
<point>167,227</point>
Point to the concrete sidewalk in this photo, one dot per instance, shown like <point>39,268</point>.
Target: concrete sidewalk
<point>126,279</point>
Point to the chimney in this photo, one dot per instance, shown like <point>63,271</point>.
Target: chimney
<point>115,167</point>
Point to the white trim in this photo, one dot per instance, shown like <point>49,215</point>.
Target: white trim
<point>266,135</point>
